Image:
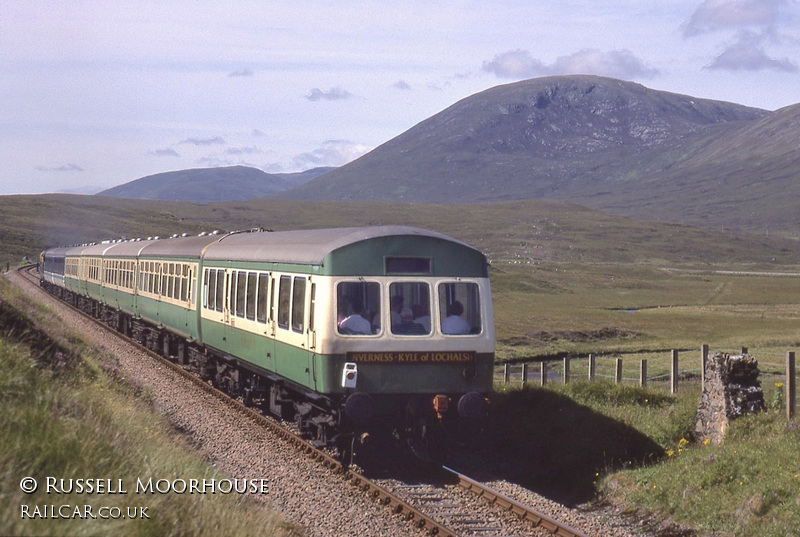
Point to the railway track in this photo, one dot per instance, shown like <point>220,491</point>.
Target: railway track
<point>433,509</point>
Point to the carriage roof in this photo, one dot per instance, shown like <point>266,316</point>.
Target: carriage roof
<point>353,250</point>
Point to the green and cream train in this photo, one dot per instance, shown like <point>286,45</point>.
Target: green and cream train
<point>349,331</point>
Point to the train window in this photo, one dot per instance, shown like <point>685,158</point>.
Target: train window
<point>153,283</point>
<point>220,298</point>
<point>357,303</point>
<point>263,295</point>
<point>284,301</point>
<point>298,304</point>
<point>241,293</point>
<point>231,280</point>
<point>459,308</point>
<point>170,280</point>
<point>252,289</point>
<point>410,308</point>
<point>272,287</point>
<point>408,265</point>
<point>210,288</point>
<point>164,280</point>
<point>313,306</point>
<point>185,283</point>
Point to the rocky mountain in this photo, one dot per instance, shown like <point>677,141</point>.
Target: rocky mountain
<point>234,183</point>
<point>605,143</point>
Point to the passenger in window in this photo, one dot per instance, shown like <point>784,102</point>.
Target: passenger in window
<point>396,306</point>
<point>407,324</point>
<point>355,323</point>
<point>421,316</point>
<point>454,323</point>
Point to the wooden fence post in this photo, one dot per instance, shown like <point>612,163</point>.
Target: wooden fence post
<point>618,372</point>
<point>673,373</point>
<point>643,373</point>
<point>524,375</point>
<point>791,388</point>
<point>506,372</point>
<point>703,360</point>
<point>543,374</point>
<point>592,365</point>
<point>566,370</point>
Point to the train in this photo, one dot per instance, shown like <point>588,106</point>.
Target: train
<point>353,333</point>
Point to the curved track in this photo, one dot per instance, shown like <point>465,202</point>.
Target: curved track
<point>417,515</point>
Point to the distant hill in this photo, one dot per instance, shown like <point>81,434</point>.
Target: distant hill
<point>604,143</point>
<point>234,183</point>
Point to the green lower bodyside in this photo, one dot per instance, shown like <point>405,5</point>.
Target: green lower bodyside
<point>323,373</point>
<point>120,300</point>
<point>180,320</point>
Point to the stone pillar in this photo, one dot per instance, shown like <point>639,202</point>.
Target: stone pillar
<point>731,389</point>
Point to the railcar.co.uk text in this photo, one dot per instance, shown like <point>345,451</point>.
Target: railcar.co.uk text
<point>102,486</point>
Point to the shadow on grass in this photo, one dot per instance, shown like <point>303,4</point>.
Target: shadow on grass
<point>556,447</point>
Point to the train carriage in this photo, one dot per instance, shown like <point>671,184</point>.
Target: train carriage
<point>344,330</point>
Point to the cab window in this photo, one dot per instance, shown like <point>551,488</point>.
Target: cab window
<point>358,304</point>
<point>410,308</point>
<point>459,308</point>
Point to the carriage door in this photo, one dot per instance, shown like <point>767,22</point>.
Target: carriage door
<point>229,312</point>
<point>292,346</point>
<point>311,335</point>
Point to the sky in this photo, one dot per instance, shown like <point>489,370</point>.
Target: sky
<point>97,93</point>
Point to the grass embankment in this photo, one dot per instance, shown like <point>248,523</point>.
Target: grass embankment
<point>634,447</point>
<point>67,416</point>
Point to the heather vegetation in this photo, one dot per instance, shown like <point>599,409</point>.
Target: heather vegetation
<point>65,414</point>
<point>565,280</point>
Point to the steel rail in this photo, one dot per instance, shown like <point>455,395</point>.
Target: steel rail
<point>379,494</point>
<point>524,512</point>
<point>373,490</point>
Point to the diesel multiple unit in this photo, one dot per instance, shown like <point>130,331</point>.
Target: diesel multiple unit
<point>348,331</point>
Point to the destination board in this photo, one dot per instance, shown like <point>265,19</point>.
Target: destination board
<point>438,357</point>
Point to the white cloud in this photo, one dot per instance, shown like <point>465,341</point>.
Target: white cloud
<point>756,24</point>
<point>240,73</point>
<point>242,150</point>
<point>517,64</point>
<point>165,153</point>
<point>124,93</point>
<point>332,153</point>
<point>335,94</point>
<point>748,55</point>
<point>215,140</point>
<point>63,168</point>
<point>715,15</point>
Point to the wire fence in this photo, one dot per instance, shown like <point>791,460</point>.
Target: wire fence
<point>668,371</point>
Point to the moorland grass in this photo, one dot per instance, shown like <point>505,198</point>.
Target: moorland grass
<point>64,417</point>
<point>552,308</point>
<point>748,487</point>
